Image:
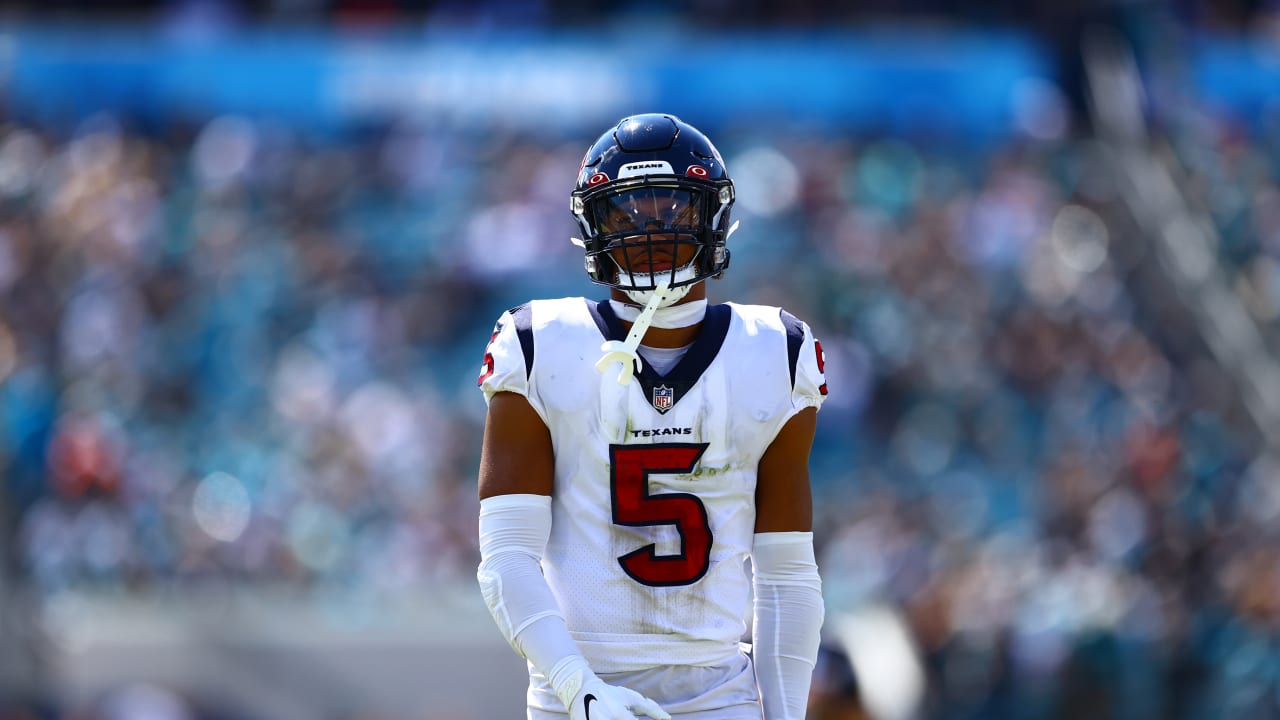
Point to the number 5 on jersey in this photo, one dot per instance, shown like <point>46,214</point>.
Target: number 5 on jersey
<point>633,506</point>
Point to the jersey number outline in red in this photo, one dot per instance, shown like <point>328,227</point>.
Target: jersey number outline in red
<point>629,469</point>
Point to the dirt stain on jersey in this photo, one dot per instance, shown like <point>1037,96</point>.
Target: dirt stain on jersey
<point>702,471</point>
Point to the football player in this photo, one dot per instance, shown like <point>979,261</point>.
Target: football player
<point>640,449</point>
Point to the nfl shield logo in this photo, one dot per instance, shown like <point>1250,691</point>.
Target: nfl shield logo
<point>663,398</point>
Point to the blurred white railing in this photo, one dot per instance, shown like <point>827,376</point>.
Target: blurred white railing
<point>280,655</point>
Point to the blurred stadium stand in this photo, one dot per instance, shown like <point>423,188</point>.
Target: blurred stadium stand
<point>250,254</point>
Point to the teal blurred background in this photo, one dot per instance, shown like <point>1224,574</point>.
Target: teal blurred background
<point>250,254</point>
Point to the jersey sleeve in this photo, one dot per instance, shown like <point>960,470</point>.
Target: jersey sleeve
<point>807,364</point>
<point>508,358</point>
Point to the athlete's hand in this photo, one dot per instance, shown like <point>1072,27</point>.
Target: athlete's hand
<point>600,701</point>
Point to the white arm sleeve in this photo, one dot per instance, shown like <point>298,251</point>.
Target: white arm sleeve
<point>788,621</point>
<point>513,536</point>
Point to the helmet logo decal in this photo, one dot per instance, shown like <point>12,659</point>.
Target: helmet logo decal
<point>647,167</point>
<point>697,171</point>
<point>597,178</point>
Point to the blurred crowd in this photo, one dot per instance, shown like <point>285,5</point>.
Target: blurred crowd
<point>233,349</point>
<point>1228,172</point>
<point>1046,474</point>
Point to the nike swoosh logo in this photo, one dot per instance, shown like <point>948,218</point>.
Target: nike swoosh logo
<point>586,704</point>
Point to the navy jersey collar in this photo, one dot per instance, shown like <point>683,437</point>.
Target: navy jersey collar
<point>682,377</point>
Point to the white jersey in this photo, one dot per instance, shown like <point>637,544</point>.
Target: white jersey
<point>653,509</point>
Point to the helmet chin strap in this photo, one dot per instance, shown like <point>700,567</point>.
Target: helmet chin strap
<point>624,351</point>
<point>672,296</point>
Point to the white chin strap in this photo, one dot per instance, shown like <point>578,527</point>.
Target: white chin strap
<point>624,351</point>
<point>673,295</point>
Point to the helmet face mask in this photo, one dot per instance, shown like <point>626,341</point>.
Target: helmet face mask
<point>646,231</point>
<point>653,201</point>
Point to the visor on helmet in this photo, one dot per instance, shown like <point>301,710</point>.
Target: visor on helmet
<point>646,209</point>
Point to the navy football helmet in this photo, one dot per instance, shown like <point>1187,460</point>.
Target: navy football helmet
<point>653,198</point>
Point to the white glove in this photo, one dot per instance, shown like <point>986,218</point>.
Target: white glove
<point>601,701</point>
<point>590,698</point>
